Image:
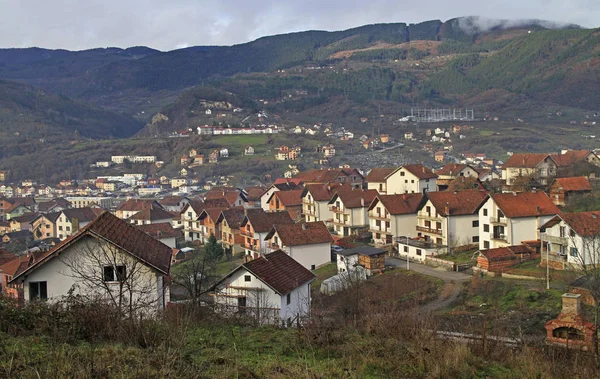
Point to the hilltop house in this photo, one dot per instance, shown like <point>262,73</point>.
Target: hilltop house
<point>272,289</point>
<point>450,218</point>
<point>350,211</point>
<point>391,216</point>
<point>256,225</point>
<point>507,219</point>
<point>536,167</point>
<point>309,243</point>
<point>95,261</point>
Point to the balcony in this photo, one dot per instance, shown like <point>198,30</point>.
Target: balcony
<point>498,220</point>
<point>248,246</point>
<point>428,216</point>
<point>246,233</point>
<point>564,241</point>
<point>335,209</point>
<point>379,229</point>
<point>425,229</point>
<point>341,222</point>
<point>376,216</point>
<point>498,237</point>
<point>309,212</point>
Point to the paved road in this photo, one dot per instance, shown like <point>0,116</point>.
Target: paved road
<point>452,283</point>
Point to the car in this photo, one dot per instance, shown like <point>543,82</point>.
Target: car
<point>336,248</point>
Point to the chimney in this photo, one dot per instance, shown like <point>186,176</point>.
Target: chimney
<point>523,160</point>
<point>447,209</point>
<point>362,201</point>
<point>303,226</point>
<point>423,169</point>
<point>537,209</point>
<point>571,304</point>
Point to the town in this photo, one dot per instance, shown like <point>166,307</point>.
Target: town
<point>477,217</point>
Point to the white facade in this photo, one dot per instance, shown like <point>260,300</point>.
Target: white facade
<point>316,210</point>
<point>88,201</point>
<point>59,279</point>
<point>246,291</point>
<point>346,263</point>
<point>386,227</point>
<point>444,230</point>
<point>403,181</point>
<point>311,256</point>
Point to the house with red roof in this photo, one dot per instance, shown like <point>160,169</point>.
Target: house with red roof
<point>107,259</point>
<point>279,185</point>
<point>569,158</point>
<point>255,226</point>
<point>507,219</point>
<point>272,289</point>
<point>316,198</point>
<point>572,239</point>
<point>229,223</point>
<point>410,178</point>
<point>539,167</point>
<point>164,232</point>
<point>309,243</point>
<point>450,218</point>
<point>349,209</point>
<point>392,216</point>
<point>289,201</point>
<point>193,225</point>
<point>563,188</point>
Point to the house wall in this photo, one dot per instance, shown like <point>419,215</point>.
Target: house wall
<point>60,278</point>
<point>47,229</point>
<point>418,253</point>
<point>264,199</point>
<point>346,263</point>
<point>310,256</point>
<point>588,248</point>
<point>402,181</point>
<point>170,241</point>
<point>381,187</point>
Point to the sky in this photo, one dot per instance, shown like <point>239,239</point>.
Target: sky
<point>171,24</point>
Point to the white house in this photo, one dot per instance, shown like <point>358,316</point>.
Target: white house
<point>414,178</point>
<point>391,216</point>
<point>507,219</point>
<point>164,232</point>
<point>71,220</point>
<point>273,289</point>
<point>108,259</point>
<point>450,218</point>
<point>224,152</point>
<point>350,211</point>
<point>309,243</point>
<point>315,200</point>
<point>572,239</point>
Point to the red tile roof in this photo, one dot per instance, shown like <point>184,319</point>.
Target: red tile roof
<point>407,203</point>
<point>171,200</point>
<point>451,169</point>
<point>526,160</point>
<point>570,157</point>
<point>585,224</point>
<point>324,192</point>
<point>524,204</point>
<point>152,214</point>
<point>498,254</point>
<point>355,198</point>
<point>262,221</point>
<point>160,230</point>
<point>459,203</point>
<point>212,213</point>
<point>420,171</point>
<point>11,267</point>
<point>326,175</point>
<point>6,256</point>
<point>288,198</point>
<point>230,194</point>
<point>280,272</point>
<point>379,174</point>
<point>305,233</point>
<point>82,214</point>
<point>255,192</point>
<point>233,216</point>
<point>577,183</point>
<point>136,205</point>
<point>118,233</point>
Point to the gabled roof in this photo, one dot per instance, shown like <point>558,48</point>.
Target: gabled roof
<point>11,267</point>
<point>118,233</point>
<point>452,169</point>
<point>262,221</point>
<point>152,214</point>
<point>576,183</point>
<point>233,216</point>
<point>585,224</point>
<point>524,204</point>
<point>305,233</point>
<point>48,205</point>
<point>458,203</point>
<point>212,213</point>
<point>420,171</point>
<point>82,214</point>
<point>254,193</point>
<point>324,192</point>
<point>160,230</point>
<point>380,174</point>
<point>198,205</point>
<point>230,194</point>
<point>171,200</point>
<point>406,203</point>
<point>326,175</point>
<point>498,254</point>
<point>278,271</point>
<point>570,157</point>
<point>288,198</point>
<point>355,198</point>
<point>137,205</point>
<point>526,160</point>
<point>288,185</point>
<point>25,218</point>
<point>465,182</point>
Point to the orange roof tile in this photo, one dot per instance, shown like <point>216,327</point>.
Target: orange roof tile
<point>420,171</point>
<point>305,233</point>
<point>576,183</point>
<point>379,174</point>
<point>458,203</point>
<point>525,204</point>
<point>407,203</point>
<point>526,160</point>
<point>355,198</point>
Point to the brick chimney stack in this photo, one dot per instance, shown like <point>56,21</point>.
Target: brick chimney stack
<point>571,304</point>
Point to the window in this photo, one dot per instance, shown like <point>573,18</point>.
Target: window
<point>38,291</point>
<point>486,228</point>
<point>572,233</point>
<point>406,249</point>
<point>406,181</point>
<point>68,228</point>
<point>288,298</point>
<point>114,273</point>
<point>486,244</point>
<point>312,267</point>
<point>476,223</point>
<point>475,239</point>
<point>60,227</point>
<point>47,226</point>
<point>412,181</point>
<point>247,278</point>
<point>485,211</point>
<point>401,173</point>
<point>189,214</point>
<point>574,252</point>
<point>419,252</point>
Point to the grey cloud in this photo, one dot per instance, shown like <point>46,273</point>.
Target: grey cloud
<point>166,25</point>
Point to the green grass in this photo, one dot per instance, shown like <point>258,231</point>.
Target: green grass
<point>323,273</point>
<point>533,268</point>
<point>460,258</point>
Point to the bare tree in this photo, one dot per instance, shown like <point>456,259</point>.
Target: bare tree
<point>104,272</point>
